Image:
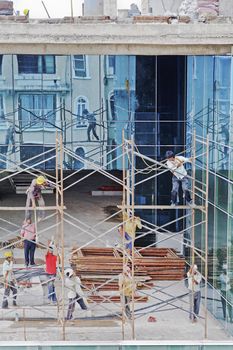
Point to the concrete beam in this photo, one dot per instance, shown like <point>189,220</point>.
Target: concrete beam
<point>116,38</point>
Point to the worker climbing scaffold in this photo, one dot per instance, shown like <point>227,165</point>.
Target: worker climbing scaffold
<point>34,193</point>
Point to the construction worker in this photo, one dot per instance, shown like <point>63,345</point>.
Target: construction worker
<point>194,281</point>
<point>130,226</point>
<point>126,289</point>
<point>225,285</point>
<point>126,238</point>
<point>34,193</point>
<point>28,232</point>
<point>75,293</point>
<point>176,165</point>
<point>92,124</point>
<point>9,280</point>
<point>51,261</point>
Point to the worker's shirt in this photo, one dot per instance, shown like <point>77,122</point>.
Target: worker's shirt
<point>130,224</point>
<point>194,281</point>
<point>125,285</point>
<point>34,189</point>
<point>225,282</point>
<point>29,232</point>
<point>73,285</point>
<point>51,263</point>
<point>179,172</point>
<point>91,119</point>
<point>7,270</point>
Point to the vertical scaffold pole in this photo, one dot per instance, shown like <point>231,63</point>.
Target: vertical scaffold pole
<point>193,215</point>
<point>206,235</point>
<point>124,258</point>
<point>133,238</point>
<point>61,209</point>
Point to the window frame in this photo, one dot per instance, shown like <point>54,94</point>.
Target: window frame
<point>38,65</point>
<point>86,70</point>
<point>108,66</point>
<point>84,122</point>
<point>43,124</point>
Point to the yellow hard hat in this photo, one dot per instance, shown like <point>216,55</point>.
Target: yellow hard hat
<point>26,12</point>
<point>8,254</point>
<point>40,180</point>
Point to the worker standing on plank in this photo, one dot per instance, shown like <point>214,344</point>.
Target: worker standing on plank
<point>194,281</point>
<point>51,261</point>
<point>130,226</point>
<point>91,124</point>
<point>176,165</point>
<point>126,289</point>
<point>126,238</point>
<point>75,293</point>
<point>34,194</point>
<point>28,232</point>
<point>9,280</point>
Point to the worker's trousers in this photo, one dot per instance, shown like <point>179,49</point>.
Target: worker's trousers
<point>11,287</point>
<point>31,201</point>
<point>92,127</point>
<point>175,189</point>
<point>195,301</point>
<point>29,252</point>
<point>51,288</point>
<point>71,306</point>
<point>226,305</point>
<point>127,306</point>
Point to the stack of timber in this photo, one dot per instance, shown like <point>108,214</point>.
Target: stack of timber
<point>156,263</point>
<point>99,268</point>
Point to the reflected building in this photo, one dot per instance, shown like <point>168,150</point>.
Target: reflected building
<point>158,101</point>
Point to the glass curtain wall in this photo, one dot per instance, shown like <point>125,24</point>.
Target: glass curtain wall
<point>89,98</point>
<point>209,112</point>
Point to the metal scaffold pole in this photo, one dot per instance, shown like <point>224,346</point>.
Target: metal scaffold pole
<point>61,210</point>
<point>193,213</point>
<point>133,238</point>
<point>124,260</point>
<point>206,236</point>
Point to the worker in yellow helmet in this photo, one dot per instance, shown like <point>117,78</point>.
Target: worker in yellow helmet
<point>9,280</point>
<point>34,194</point>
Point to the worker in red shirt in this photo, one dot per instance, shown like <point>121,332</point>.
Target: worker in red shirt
<point>51,270</point>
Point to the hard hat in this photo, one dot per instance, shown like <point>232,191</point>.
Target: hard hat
<point>26,12</point>
<point>8,254</point>
<point>194,267</point>
<point>169,154</point>
<point>69,272</point>
<point>40,180</point>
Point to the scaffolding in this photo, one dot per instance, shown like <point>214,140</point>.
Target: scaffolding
<point>129,154</point>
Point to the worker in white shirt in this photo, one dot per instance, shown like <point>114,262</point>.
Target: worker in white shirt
<point>194,281</point>
<point>75,293</point>
<point>225,285</point>
<point>9,280</point>
<point>176,165</point>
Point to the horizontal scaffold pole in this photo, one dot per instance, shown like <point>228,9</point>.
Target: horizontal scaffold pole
<point>31,208</point>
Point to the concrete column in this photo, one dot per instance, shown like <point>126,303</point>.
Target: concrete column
<point>160,7</point>
<point>225,8</point>
<point>145,7</point>
<point>110,8</point>
<point>93,8</point>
